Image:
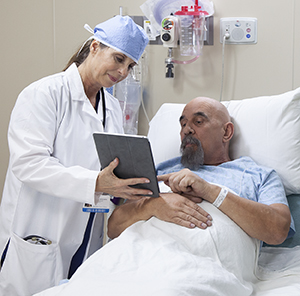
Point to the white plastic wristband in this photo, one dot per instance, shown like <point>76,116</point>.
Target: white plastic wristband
<point>223,193</point>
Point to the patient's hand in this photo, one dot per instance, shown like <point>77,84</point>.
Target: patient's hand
<point>195,199</point>
<point>187,183</point>
<point>182,211</point>
<point>169,207</point>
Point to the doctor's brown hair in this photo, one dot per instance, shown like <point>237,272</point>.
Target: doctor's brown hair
<point>81,54</point>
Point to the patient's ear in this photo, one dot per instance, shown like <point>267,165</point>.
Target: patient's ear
<point>228,131</point>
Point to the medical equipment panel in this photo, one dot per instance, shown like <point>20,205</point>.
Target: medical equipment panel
<point>241,30</point>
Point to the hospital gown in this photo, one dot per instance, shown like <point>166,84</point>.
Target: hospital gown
<point>243,176</point>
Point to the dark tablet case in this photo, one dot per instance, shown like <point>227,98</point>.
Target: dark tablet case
<point>134,154</point>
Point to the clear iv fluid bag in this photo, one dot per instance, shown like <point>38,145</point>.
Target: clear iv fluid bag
<point>128,92</point>
<point>191,34</point>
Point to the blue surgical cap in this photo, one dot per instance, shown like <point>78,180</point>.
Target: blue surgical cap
<point>122,34</point>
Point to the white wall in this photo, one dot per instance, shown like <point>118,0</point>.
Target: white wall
<point>38,37</point>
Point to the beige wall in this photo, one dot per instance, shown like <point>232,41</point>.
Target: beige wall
<point>38,37</point>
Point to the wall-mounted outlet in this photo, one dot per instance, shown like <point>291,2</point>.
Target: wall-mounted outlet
<point>242,30</point>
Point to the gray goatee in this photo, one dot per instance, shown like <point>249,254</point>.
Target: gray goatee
<point>192,158</point>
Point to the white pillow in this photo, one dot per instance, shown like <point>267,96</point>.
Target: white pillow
<point>266,128</point>
<point>164,129</point>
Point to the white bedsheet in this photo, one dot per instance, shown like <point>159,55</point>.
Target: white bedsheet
<point>163,259</point>
<point>159,258</point>
<point>278,272</point>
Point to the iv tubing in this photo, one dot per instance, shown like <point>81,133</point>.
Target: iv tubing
<point>143,71</point>
<point>186,62</point>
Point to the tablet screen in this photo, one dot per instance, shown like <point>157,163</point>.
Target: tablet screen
<point>134,154</point>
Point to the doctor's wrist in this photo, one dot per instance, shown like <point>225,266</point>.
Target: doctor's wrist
<point>97,186</point>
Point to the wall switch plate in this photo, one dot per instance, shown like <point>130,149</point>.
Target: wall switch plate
<point>242,30</point>
<point>148,30</point>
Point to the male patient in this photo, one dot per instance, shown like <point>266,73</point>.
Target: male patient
<point>250,195</point>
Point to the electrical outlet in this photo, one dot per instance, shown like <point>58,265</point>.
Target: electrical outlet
<point>242,30</point>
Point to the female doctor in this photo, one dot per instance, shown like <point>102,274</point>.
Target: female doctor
<point>54,167</point>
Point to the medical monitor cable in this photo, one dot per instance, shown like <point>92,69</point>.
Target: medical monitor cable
<point>226,36</point>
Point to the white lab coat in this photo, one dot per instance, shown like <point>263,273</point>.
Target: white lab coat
<point>52,171</point>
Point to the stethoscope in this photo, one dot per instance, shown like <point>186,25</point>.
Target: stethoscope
<point>103,105</point>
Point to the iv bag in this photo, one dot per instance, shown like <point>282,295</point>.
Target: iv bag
<point>128,92</point>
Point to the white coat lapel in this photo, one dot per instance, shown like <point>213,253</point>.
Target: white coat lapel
<point>86,111</point>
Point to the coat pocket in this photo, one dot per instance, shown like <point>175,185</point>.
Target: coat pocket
<point>29,268</point>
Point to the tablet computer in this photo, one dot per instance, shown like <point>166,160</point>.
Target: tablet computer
<point>134,154</point>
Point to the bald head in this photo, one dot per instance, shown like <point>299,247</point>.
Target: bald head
<point>212,106</point>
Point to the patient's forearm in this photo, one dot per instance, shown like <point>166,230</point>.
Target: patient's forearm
<point>126,215</point>
<point>170,207</point>
<point>267,223</point>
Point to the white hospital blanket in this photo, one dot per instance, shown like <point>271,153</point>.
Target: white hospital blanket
<point>278,272</point>
<point>163,259</point>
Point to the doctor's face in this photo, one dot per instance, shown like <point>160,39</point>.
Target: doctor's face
<point>108,65</point>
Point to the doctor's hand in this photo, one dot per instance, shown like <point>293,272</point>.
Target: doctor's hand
<point>109,183</point>
<point>182,211</point>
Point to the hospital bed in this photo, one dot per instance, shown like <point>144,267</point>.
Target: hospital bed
<point>159,258</point>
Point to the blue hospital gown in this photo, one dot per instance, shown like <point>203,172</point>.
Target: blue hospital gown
<point>243,176</point>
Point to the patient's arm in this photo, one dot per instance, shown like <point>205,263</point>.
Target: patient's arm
<point>267,223</point>
<point>168,207</point>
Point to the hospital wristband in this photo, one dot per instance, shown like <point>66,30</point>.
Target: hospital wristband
<point>220,198</point>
